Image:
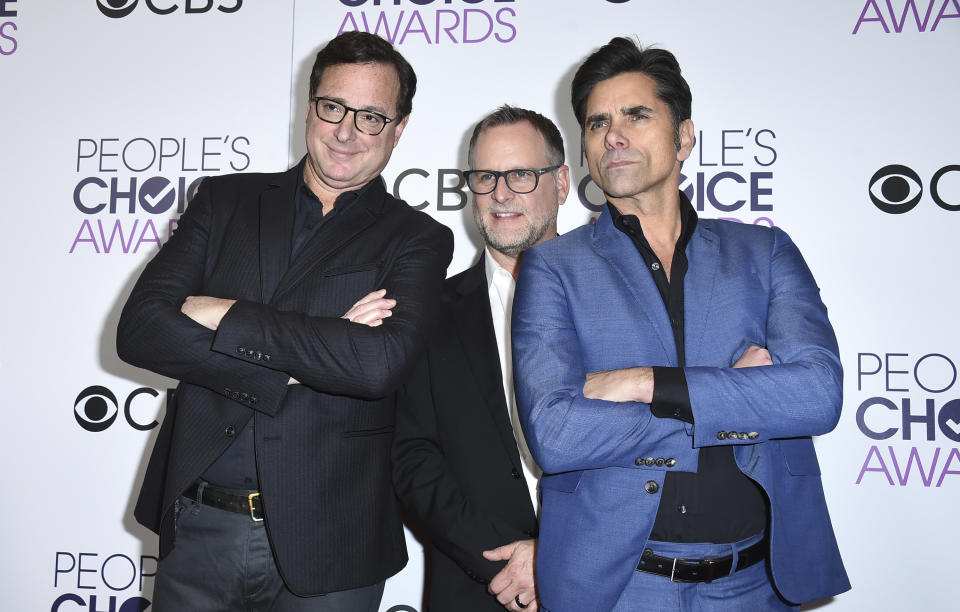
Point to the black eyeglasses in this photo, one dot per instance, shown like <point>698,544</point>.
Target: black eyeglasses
<point>519,180</point>
<point>367,121</point>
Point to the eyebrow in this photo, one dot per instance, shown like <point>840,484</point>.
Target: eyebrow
<point>625,111</point>
<point>598,117</point>
<point>635,110</point>
<point>369,107</point>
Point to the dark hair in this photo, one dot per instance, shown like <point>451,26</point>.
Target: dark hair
<point>364,48</point>
<point>509,115</point>
<point>624,55</point>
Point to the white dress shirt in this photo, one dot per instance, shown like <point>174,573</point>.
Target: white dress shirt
<point>501,285</point>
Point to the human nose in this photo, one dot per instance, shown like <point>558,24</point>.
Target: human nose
<point>347,128</point>
<point>615,138</point>
<point>502,193</point>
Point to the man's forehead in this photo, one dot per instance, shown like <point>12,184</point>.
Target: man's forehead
<point>623,91</point>
<point>518,139</point>
<point>373,77</point>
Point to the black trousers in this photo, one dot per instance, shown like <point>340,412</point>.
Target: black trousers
<point>222,561</point>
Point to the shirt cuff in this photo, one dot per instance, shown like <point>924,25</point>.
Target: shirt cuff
<point>671,397</point>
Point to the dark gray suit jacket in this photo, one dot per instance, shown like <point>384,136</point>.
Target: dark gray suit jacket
<point>456,464</point>
<point>322,447</point>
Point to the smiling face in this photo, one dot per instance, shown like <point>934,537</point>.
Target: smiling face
<point>630,140</point>
<point>511,222</point>
<point>339,157</point>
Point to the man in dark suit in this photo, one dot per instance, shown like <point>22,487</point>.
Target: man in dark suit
<point>270,480</point>
<point>670,374</point>
<point>461,465</point>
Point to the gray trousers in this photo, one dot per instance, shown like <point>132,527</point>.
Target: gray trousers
<point>222,561</point>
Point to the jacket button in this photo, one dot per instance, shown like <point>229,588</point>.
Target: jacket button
<point>241,350</point>
<point>721,435</point>
<point>638,461</point>
<point>753,435</point>
<point>514,473</point>
<point>742,435</point>
<point>651,486</point>
<point>235,395</point>
<point>230,431</point>
<point>660,461</point>
<point>250,352</point>
<point>253,399</point>
<point>266,357</point>
<point>671,462</point>
<point>649,461</point>
<point>244,396</point>
<point>259,356</point>
<point>226,391</point>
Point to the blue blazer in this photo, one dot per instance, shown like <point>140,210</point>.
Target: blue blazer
<point>585,303</point>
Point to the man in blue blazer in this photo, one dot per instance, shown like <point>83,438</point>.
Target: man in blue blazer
<point>670,372</point>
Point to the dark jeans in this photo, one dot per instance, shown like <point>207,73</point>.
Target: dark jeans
<point>222,561</point>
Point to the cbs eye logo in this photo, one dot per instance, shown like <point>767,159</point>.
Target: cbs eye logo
<point>96,408</point>
<point>116,9</point>
<point>897,189</point>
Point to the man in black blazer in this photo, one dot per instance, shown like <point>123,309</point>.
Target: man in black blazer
<point>290,306</point>
<point>461,466</point>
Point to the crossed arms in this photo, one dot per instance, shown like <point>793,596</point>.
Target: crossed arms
<point>576,419</point>
<point>195,340</point>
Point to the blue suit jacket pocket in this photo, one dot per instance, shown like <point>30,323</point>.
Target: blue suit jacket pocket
<point>800,457</point>
<point>565,482</point>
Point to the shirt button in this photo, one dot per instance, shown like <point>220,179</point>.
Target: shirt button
<point>651,486</point>
<point>655,266</point>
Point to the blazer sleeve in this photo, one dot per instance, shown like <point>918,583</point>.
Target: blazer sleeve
<point>153,334</point>
<point>565,430</point>
<point>334,355</point>
<point>425,483</point>
<point>801,394</point>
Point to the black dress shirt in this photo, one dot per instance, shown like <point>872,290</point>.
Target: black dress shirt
<point>717,503</point>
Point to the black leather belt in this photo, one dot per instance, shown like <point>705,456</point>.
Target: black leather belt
<point>228,499</point>
<point>701,570</point>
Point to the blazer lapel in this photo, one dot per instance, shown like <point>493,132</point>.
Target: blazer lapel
<point>474,324</point>
<point>277,209</point>
<point>703,256</point>
<point>356,217</point>
<point>620,252</point>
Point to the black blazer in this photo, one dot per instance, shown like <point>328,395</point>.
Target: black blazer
<point>322,447</point>
<point>456,465</point>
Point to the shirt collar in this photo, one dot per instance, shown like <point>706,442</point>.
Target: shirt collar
<point>631,226</point>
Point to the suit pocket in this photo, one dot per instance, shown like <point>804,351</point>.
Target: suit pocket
<point>363,433</point>
<point>333,292</point>
<point>800,457</point>
<point>364,267</point>
<point>565,482</point>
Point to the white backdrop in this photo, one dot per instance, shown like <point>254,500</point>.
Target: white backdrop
<point>800,110</point>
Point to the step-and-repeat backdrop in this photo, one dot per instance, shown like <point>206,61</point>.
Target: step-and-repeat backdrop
<point>836,120</point>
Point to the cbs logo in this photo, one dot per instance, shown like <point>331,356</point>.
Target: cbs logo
<point>897,189</point>
<point>96,408</point>
<point>116,9</point>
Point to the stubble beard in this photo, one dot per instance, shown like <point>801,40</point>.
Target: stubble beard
<point>531,235</point>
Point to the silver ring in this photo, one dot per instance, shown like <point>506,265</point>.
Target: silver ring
<point>516,599</point>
